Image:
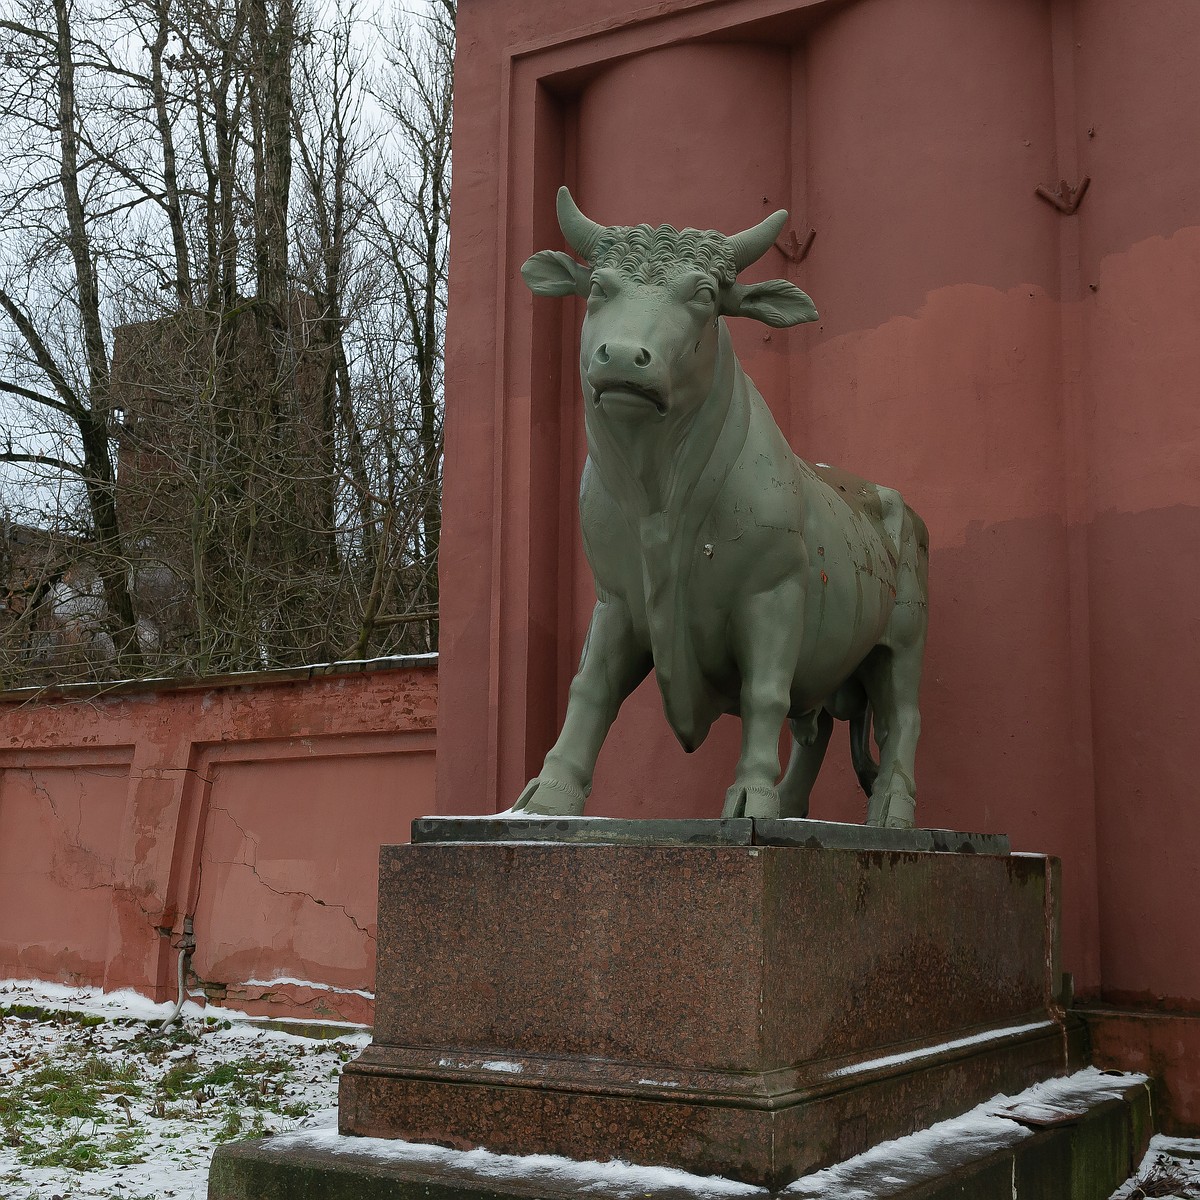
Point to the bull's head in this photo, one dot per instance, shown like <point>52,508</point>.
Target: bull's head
<point>655,299</point>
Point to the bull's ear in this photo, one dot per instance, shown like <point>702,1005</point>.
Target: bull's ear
<point>553,273</point>
<point>775,302</point>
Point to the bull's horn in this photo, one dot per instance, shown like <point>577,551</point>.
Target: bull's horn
<point>749,246</point>
<point>581,232</point>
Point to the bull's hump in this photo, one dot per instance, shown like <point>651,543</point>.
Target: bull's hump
<point>882,507</point>
<point>860,494</point>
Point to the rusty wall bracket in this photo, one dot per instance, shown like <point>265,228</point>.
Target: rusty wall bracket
<point>791,247</point>
<point>1067,199</point>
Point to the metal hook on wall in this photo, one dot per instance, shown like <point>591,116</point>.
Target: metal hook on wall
<point>1066,199</point>
<point>792,248</point>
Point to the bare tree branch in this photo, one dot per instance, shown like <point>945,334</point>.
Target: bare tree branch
<point>15,389</point>
<point>41,352</point>
<point>42,460</point>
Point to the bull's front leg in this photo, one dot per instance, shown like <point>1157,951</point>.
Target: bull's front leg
<point>767,632</point>
<point>613,663</point>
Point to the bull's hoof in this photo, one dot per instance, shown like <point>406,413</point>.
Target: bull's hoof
<point>547,797</point>
<point>892,810</point>
<point>751,800</point>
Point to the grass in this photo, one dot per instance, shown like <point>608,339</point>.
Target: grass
<point>54,1016</point>
<point>81,1094</point>
<point>252,1081</point>
<point>55,1115</point>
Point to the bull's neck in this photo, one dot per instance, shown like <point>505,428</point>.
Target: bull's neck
<point>650,467</point>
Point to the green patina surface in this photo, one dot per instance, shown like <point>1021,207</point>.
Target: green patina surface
<point>749,581</point>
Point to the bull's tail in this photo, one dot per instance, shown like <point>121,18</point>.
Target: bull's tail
<point>865,766</point>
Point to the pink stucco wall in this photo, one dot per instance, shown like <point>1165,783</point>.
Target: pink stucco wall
<point>1025,377</point>
<point>255,805</point>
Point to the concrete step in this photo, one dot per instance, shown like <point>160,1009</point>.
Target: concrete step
<point>1076,1138</point>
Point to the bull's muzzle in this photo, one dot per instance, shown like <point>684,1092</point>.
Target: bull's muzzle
<point>625,377</point>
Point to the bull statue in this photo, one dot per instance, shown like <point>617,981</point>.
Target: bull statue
<point>750,581</point>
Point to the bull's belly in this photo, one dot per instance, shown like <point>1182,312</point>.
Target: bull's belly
<point>845,616</point>
<point>842,621</point>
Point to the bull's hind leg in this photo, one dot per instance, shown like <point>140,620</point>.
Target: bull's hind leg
<point>892,676</point>
<point>810,737</point>
<point>893,800</point>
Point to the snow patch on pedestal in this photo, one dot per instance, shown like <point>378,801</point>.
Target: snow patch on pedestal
<point>984,1130</point>
<point>974,1040</point>
<point>615,1178</point>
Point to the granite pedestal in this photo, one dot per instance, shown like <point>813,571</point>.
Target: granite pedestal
<point>748,999</point>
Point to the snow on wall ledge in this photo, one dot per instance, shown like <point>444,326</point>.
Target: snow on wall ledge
<point>253,805</point>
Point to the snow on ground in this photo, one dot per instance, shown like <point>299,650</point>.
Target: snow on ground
<point>1171,1170</point>
<point>94,1105</point>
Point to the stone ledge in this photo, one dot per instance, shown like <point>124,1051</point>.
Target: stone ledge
<point>1077,1138</point>
<point>233,679</point>
<point>736,831</point>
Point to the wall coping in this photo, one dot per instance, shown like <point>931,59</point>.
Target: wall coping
<point>233,679</point>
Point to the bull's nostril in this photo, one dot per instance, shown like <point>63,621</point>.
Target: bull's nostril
<point>642,358</point>
<point>602,353</point>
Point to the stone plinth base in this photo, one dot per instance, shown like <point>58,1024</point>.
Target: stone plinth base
<point>751,1011</point>
<point>1078,1139</point>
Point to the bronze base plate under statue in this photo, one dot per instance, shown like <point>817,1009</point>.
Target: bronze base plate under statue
<point>750,999</point>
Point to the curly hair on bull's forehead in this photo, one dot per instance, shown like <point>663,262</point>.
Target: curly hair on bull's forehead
<point>649,255</point>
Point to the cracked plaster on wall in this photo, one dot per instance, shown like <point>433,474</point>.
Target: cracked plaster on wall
<point>251,863</point>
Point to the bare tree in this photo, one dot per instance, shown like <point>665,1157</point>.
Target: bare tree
<point>412,231</point>
<point>64,372</point>
<point>222,334</point>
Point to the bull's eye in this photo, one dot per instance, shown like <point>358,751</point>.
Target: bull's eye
<point>704,294</point>
<point>597,292</point>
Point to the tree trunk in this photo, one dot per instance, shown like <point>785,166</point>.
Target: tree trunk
<point>94,423</point>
